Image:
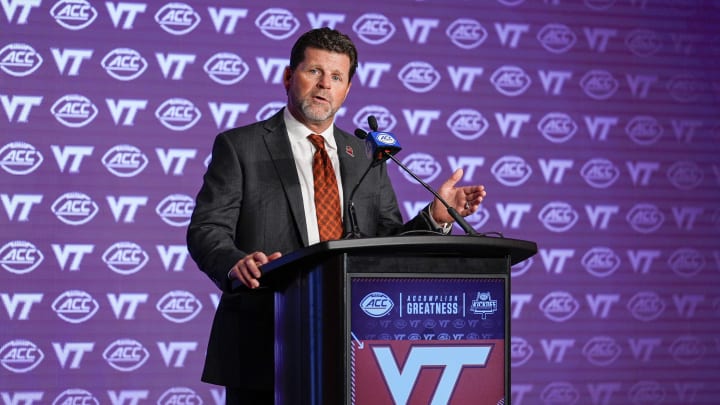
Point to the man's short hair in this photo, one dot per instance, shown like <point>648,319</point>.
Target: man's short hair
<point>326,39</point>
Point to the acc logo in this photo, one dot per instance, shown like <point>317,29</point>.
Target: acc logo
<point>176,209</point>
<point>125,258</point>
<point>277,23</point>
<point>644,130</point>
<point>647,392</point>
<point>521,268</point>
<point>124,160</point>
<point>559,306</point>
<point>20,158</point>
<point>559,393</point>
<point>384,117</point>
<point>556,38</point>
<point>126,355</point>
<point>76,396</point>
<point>557,127</point>
<point>599,84</point>
<point>179,306</point>
<point>601,350</point>
<point>510,80</point>
<point>599,173</point>
<point>20,257</point>
<point>74,110</point>
<point>373,29</point>
<point>511,171</point>
<point>645,218</point>
<point>685,88</point>
<point>687,350</point>
<point>600,261</point>
<point>19,60</point>
<point>686,262</point>
<point>179,395</point>
<point>178,114</point>
<point>124,64</point>
<point>419,77</point>
<point>423,165</point>
<point>558,216</point>
<point>478,218</point>
<point>20,356</point>
<point>643,43</point>
<point>269,109</point>
<point>75,306</point>
<point>520,351</point>
<point>73,14</point>
<point>74,208</point>
<point>376,304</point>
<point>467,124</point>
<point>685,175</point>
<point>646,306</point>
<point>226,68</point>
<point>466,33</point>
<point>177,18</point>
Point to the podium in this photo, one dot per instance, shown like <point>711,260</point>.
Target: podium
<point>394,320</point>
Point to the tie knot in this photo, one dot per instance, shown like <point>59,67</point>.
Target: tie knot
<point>317,140</point>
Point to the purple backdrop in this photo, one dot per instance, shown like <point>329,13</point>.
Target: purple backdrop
<point>594,125</point>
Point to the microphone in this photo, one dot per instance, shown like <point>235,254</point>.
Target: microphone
<point>383,146</point>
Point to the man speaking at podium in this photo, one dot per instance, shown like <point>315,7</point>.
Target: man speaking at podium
<point>278,185</point>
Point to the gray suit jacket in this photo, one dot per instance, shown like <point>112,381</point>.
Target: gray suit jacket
<point>250,201</point>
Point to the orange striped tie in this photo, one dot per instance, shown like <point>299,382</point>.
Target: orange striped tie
<point>327,197</point>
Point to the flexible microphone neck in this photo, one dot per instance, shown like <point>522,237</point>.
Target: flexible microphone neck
<point>354,232</point>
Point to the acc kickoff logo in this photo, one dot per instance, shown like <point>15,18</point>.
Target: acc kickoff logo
<point>73,14</point>
<point>75,208</point>
<point>376,304</point>
<point>126,355</point>
<point>419,77</point>
<point>20,356</point>
<point>277,23</point>
<point>125,258</point>
<point>74,110</point>
<point>483,305</point>
<point>467,124</point>
<point>19,60</point>
<point>124,64</point>
<point>374,29</point>
<point>178,114</point>
<point>20,158</point>
<point>466,33</point>
<point>75,306</point>
<point>226,68</point>
<point>177,18</point>
<point>124,160</point>
<point>179,306</point>
<point>20,257</point>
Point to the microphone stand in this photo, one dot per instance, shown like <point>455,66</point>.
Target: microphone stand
<point>354,232</point>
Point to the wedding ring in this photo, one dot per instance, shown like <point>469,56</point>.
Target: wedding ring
<point>467,205</point>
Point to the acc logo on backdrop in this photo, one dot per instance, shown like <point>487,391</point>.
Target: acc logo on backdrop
<point>511,171</point>
<point>76,396</point>
<point>75,208</point>
<point>19,60</point>
<point>226,68</point>
<point>685,175</point>
<point>687,349</point>
<point>74,110</point>
<point>559,306</point>
<point>385,119</point>
<point>556,38</point>
<point>176,209</point>
<point>646,306</point>
<point>685,87</point>
<point>645,218</point>
<point>126,355</point>
<point>599,84</point>
<point>75,306</point>
<point>520,351</point>
<point>20,257</point>
<point>73,14</point>
<point>124,64</point>
<point>686,262</point>
<point>559,393</point>
<point>373,29</point>
<point>179,306</point>
<point>601,350</point>
<point>644,130</point>
<point>277,23</point>
<point>20,158</point>
<point>647,392</point>
<point>269,109</point>
<point>466,33</point>
<point>478,219</point>
<point>124,160</point>
<point>177,18</point>
<point>467,124</point>
<point>600,261</point>
<point>179,395</point>
<point>557,127</point>
<point>558,216</point>
<point>376,304</point>
<point>599,173</point>
<point>20,356</point>
<point>419,77</point>
<point>423,165</point>
<point>510,80</point>
<point>125,258</point>
<point>178,114</point>
<point>643,42</point>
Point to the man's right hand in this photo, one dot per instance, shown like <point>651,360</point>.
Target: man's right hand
<point>247,269</point>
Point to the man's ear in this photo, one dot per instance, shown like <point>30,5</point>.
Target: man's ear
<point>287,75</point>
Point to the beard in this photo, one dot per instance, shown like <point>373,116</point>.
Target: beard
<point>314,111</point>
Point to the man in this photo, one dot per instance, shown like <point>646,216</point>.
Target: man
<point>257,203</point>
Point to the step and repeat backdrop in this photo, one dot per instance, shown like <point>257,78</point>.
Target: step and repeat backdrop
<point>594,125</point>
